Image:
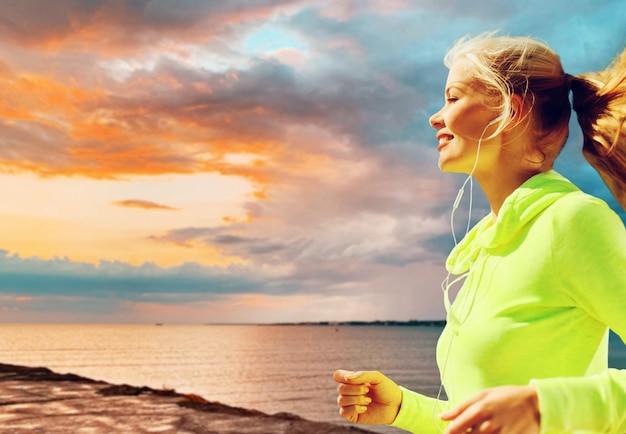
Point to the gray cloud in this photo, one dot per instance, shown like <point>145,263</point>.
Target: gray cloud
<point>60,276</point>
<point>127,24</point>
<point>360,102</point>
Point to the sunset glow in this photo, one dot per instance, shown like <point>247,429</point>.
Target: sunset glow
<point>221,162</point>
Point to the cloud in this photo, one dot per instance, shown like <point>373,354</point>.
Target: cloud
<point>62,277</point>
<point>122,26</point>
<point>358,208</point>
<point>36,290</point>
<point>322,107</point>
<point>143,204</point>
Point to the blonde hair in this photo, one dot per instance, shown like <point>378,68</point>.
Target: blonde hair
<point>600,103</point>
<point>517,65</point>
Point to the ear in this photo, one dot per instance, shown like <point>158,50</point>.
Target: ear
<point>519,111</point>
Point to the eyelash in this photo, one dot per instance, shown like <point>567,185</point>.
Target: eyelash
<point>451,99</point>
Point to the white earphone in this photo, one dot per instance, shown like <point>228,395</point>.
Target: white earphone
<point>447,283</point>
<point>461,191</point>
<point>495,120</point>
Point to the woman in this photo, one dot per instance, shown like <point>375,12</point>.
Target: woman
<point>525,346</point>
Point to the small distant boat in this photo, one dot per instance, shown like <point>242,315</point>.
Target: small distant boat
<point>159,324</point>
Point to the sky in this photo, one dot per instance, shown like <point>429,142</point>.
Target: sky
<point>244,161</point>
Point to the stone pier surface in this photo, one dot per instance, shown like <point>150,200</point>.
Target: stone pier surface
<point>38,400</point>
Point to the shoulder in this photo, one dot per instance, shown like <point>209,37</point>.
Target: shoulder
<point>576,207</point>
<point>578,217</point>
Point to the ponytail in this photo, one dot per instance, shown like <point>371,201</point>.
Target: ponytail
<point>599,100</point>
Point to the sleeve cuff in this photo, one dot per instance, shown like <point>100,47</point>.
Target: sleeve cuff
<point>419,413</point>
<point>594,403</point>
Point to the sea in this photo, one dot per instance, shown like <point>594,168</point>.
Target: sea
<point>271,368</point>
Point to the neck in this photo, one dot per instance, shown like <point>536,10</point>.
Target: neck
<point>509,167</point>
<point>499,186</point>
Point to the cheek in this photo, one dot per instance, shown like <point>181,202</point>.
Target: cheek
<point>469,119</point>
<point>460,125</point>
<point>469,124</point>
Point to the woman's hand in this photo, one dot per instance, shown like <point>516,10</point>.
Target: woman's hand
<point>367,397</point>
<point>505,409</point>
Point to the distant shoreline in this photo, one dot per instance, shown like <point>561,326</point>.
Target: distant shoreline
<point>411,323</point>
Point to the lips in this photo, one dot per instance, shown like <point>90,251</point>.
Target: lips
<point>443,139</point>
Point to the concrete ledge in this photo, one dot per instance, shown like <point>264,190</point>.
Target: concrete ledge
<point>38,400</point>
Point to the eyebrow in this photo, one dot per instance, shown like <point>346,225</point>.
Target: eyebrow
<point>456,84</point>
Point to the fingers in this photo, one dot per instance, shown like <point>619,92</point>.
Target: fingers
<point>352,399</point>
<point>352,413</point>
<point>349,389</point>
<point>468,416</point>
<point>510,409</point>
<point>359,377</point>
<point>350,407</point>
<point>340,374</point>
<point>456,411</point>
<point>474,418</point>
<point>367,397</point>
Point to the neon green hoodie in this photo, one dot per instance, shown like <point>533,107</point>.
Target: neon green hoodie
<point>545,283</point>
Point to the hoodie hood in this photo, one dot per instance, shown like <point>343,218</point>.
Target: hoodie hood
<point>518,210</point>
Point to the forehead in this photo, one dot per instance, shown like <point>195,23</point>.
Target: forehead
<point>459,74</point>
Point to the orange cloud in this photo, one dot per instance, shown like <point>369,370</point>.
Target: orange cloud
<point>42,100</point>
<point>119,27</point>
<point>144,204</point>
<point>102,136</point>
<point>163,116</point>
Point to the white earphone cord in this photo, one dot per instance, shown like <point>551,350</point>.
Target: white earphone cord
<point>446,284</point>
<point>461,191</point>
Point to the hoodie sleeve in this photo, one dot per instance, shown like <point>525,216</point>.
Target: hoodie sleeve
<point>420,414</point>
<point>591,259</point>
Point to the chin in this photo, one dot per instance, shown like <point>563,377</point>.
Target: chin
<point>445,166</point>
<point>448,167</point>
<point>454,163</point>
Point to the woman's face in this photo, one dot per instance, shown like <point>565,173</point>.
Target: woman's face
<point>462,121</point>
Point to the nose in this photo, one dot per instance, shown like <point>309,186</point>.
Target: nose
<point>436,120</point>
